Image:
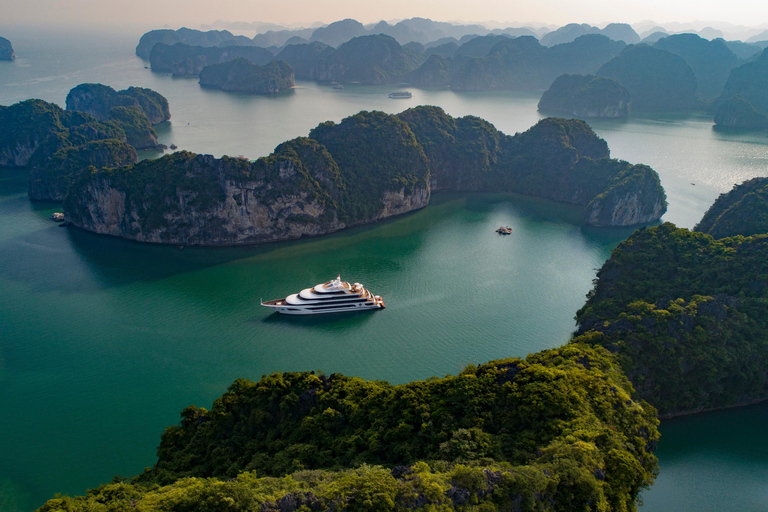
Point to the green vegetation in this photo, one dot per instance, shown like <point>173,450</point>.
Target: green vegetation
<point>750,82</point>
<point>687,317</point>
<point>241,75</point>
<point>303,57</point>
<point>585,96</point>
<point>742,211</point>
<point>52,171</point>
<point>376,153</point>
<point>98,100</point>
<point>187,36</point>
<point>136,126</point>
<point>557,431</point>
<point>658,80</point>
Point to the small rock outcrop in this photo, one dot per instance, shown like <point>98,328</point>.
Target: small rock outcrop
<point>6,50</point>
<point>741,211</point>
<point>98,100</point>
<point>241,75</point>
<point>738,113</point>
<point>585,96</point>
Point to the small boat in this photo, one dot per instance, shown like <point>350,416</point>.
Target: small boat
<point>335,296</point>
<point>400,95</point>
<point>504,230</point>
<point>337,86</point>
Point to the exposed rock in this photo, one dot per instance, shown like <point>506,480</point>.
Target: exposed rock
<point>585,96</point>
<point>6,50</point>
<point>241,75</point>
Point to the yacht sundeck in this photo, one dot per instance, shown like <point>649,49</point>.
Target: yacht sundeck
<point>334,296</point>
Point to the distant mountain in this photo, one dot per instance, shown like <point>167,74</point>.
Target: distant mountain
<point>375,59</point>
<point>524,64</point>
<point>647,33</point>
<point>338,32</point>
<point>744,51</point>
<point>190,37</point>
<point>568,33</point>
<point>621,32</point>
<point>185,60</point>
<point>303,57</point>
<point>711,61</point>
<point>654,37</point>
<point>711,33</point>
<point>750,81</point>
<point>658,80</point>
<point>447,50</point>
<point>479,46</point>
<point>762,36</point>
<point>282,37</point>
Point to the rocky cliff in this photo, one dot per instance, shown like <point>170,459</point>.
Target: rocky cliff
<point>585,96</point>
<point>241,75</point>
<point>6,50</point>
<point>368,167</point>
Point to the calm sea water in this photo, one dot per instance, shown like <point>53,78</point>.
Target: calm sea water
<point>103,341</point>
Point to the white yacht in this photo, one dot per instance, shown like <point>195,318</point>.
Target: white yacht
<point>334,296</point>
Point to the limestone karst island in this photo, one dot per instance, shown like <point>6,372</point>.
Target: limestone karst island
<point>309,257</point>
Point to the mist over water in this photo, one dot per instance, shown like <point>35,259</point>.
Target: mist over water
<point>104,341</point>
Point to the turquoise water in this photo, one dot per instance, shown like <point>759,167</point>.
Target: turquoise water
<point>103,341</point>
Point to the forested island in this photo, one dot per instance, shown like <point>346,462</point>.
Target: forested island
<point>100,128</point>
<point>6,50</point>
<point>555,431</point>
<point>586,96</point>
<point>241,75</point>
<point>742,211</point>
<point>662,73</point>
<point>369,167</point>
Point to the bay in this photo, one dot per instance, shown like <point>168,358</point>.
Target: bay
<point>104,341</point>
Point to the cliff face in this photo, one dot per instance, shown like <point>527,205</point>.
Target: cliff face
<point>6,50</point>
<point>241,75</point>
<point>199,200</point>
<point>368,167</point>
<point>585,96</point>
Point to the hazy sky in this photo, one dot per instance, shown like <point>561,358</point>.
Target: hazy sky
<point>195,12</point>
